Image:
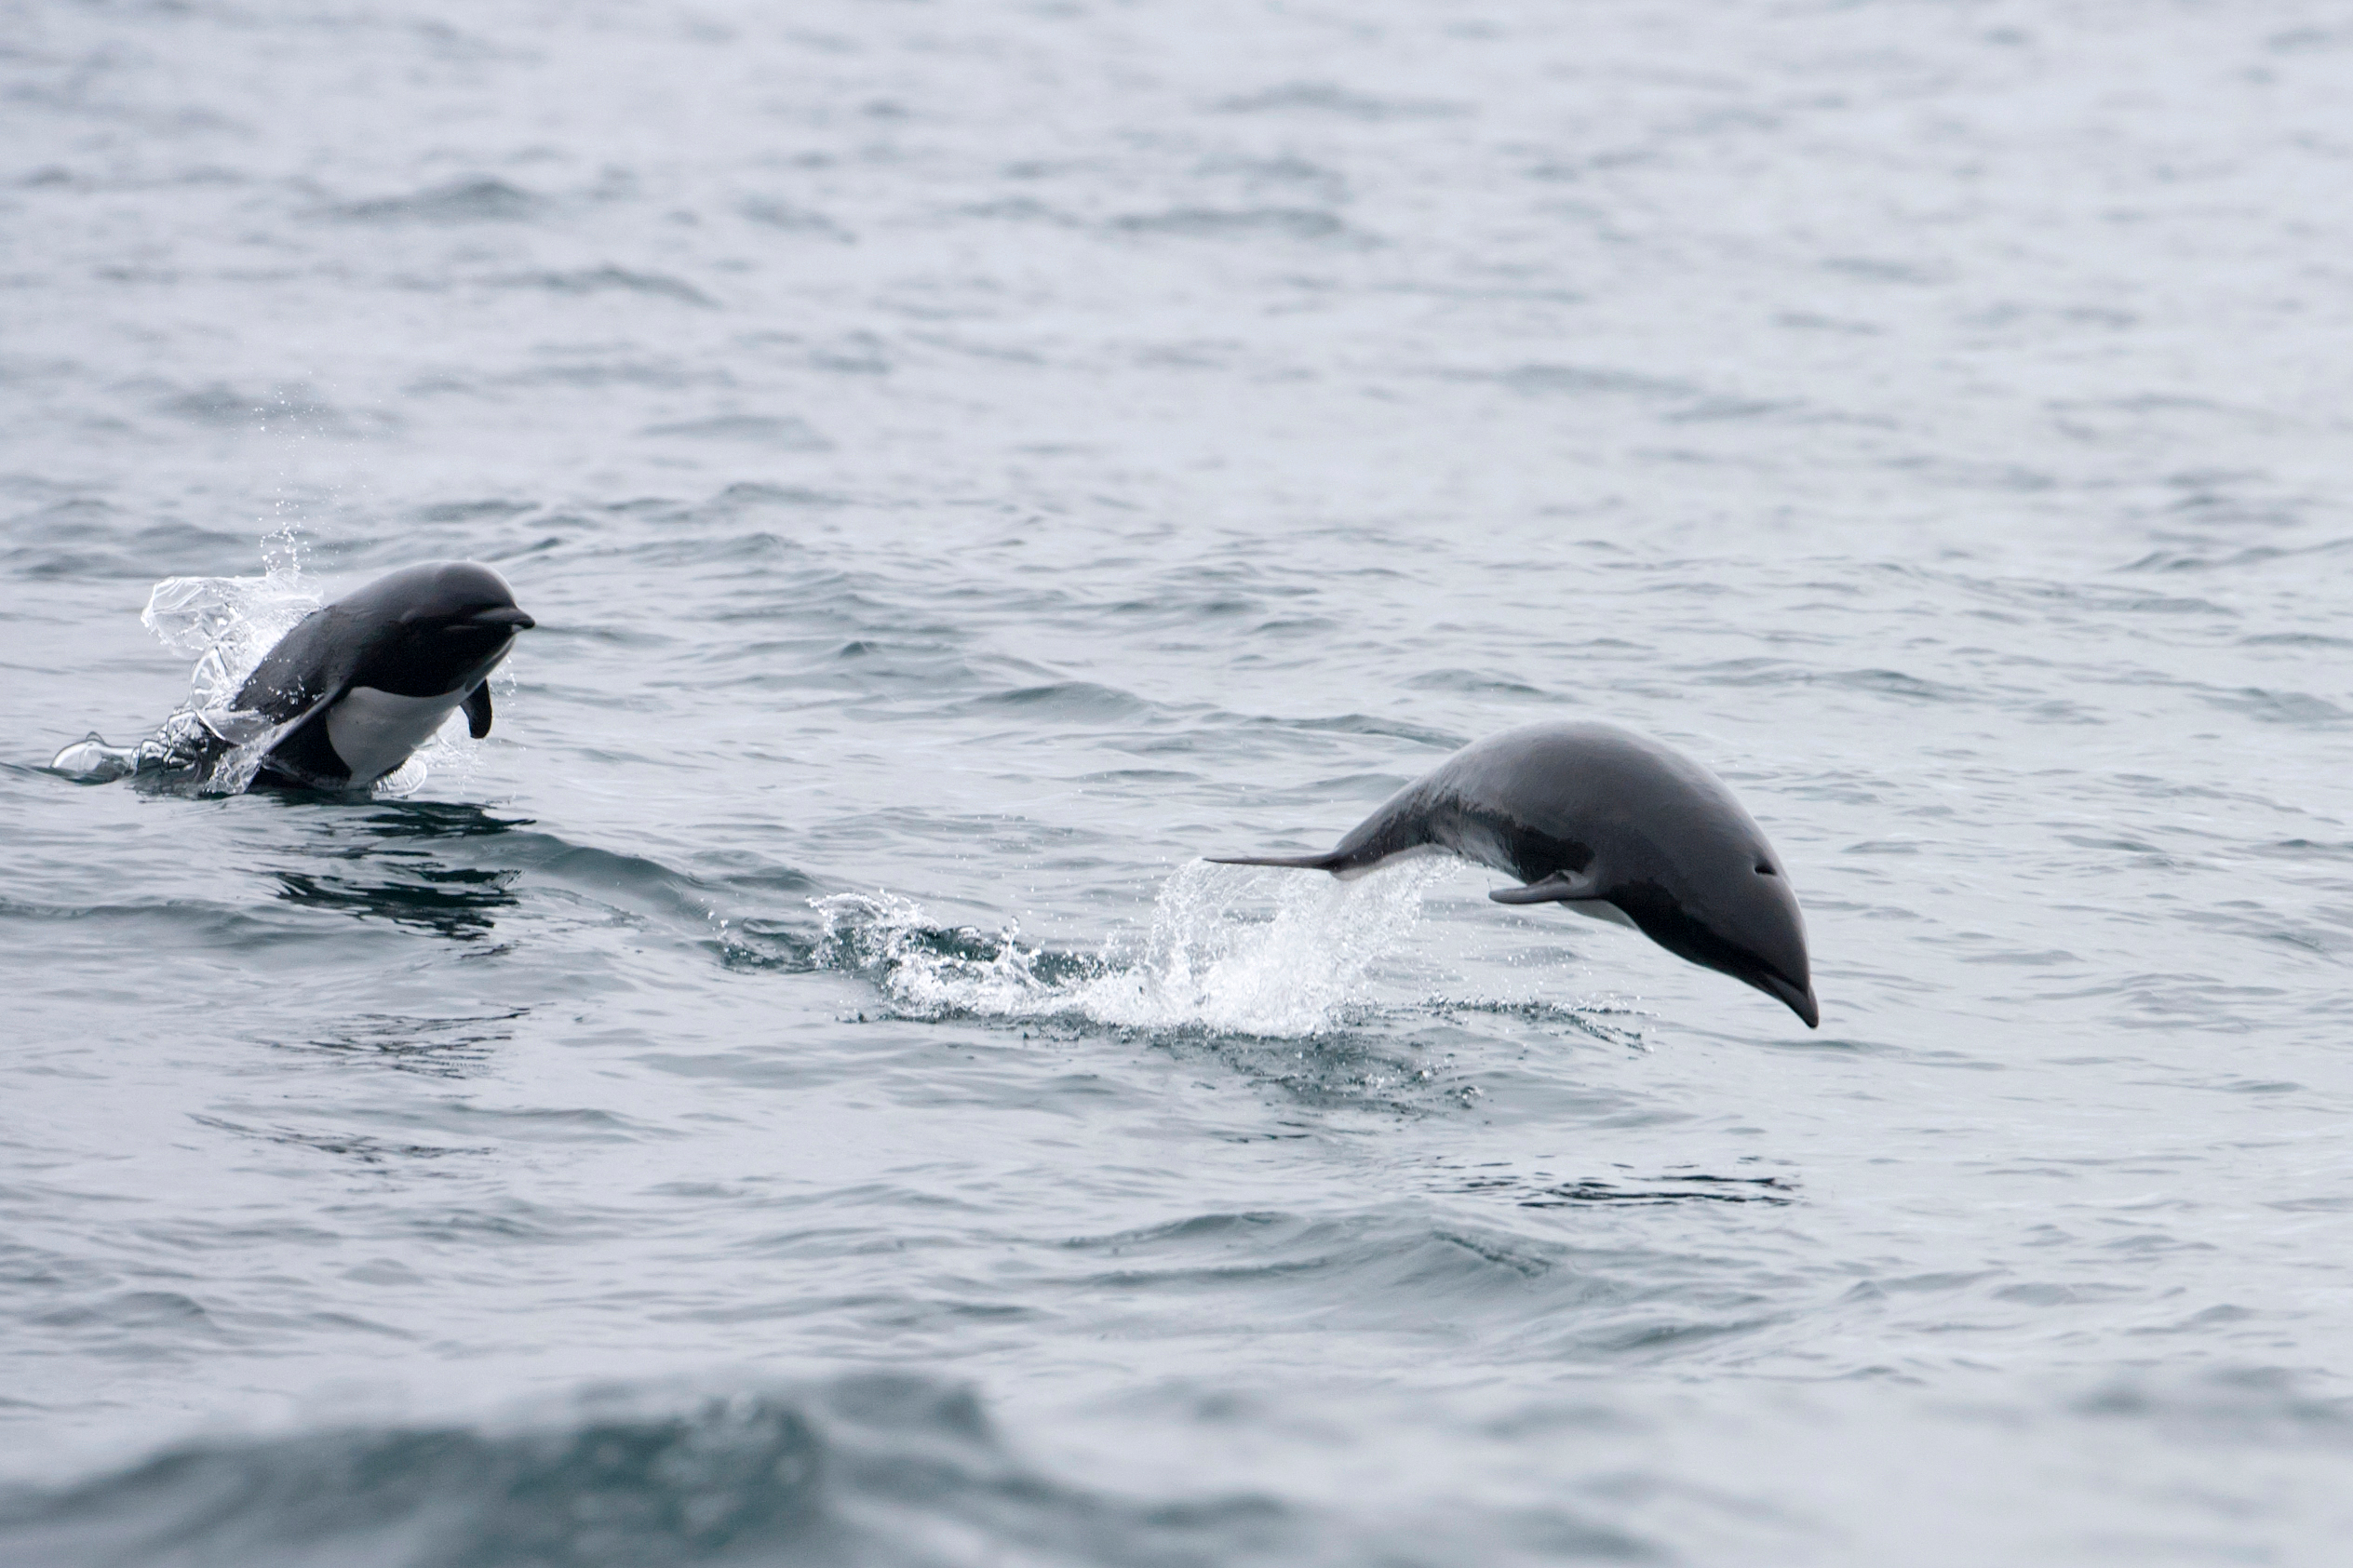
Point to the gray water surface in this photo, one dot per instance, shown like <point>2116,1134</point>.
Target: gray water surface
<point>792,1093</point>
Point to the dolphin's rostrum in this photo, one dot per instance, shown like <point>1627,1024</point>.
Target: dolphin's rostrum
<point>1611,824</point>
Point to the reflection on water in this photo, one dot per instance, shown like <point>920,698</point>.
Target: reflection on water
<point>339,816</point>
<point>457,902</point>
<point>1541,1191</point>
<point>450,1047</point>
<point>438,819</point>
<point>385,875</point>
<point>360,1146</point>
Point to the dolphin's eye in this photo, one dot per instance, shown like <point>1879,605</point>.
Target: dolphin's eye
<point>1765,870</point>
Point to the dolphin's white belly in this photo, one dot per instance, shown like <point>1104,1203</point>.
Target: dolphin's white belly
<point>374,731</point>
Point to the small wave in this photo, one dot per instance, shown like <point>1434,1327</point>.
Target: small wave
<point>1201,222</point>
<point>1078,701</point>
<point>1369,724</point>
<point>461,201</point>
<point>1884,269</point>
<point>1325,97</point>
<point>1577,381</point>
<point>453,868</point>
<point>761,430</point>
<point>607,279</point>
<point>873,1469</point>
<point>654,371</point>
<point>291,405</point>
<point>2256,1404</point>
<point>1475,682</point>
<point>794,219</point>
<point>81,537</point>
<point>1215,957</point>
<point>1017,209</point>
<point>1784,672</point>
<point>488,509</point>
<point>1541,1191</point>
<point>2297,708</point>
<point>446,1048</point>
<point>1595,1018</point>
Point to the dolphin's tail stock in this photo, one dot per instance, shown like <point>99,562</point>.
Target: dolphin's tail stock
<point>1332,862</point>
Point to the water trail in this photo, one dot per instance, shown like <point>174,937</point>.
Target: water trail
<point>1215,957</point>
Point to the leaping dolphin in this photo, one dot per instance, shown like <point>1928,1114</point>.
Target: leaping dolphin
<point>1611,824</point>
<point>364,682</point>
<point>347,695</point>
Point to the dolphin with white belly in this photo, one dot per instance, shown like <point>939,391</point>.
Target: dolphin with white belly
<point>360,685</point>
<point>1610,823</point>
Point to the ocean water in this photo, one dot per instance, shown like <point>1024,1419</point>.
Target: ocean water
<point>794,1093</point>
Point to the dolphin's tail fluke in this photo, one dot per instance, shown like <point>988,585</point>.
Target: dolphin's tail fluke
<point>1332,862</point>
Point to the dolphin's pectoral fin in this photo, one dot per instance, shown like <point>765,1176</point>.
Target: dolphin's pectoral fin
<point>477,711</point>
<point>1561,887</point>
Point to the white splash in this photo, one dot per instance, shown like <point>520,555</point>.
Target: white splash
<point>1215,956</point>
<point>225,625</point>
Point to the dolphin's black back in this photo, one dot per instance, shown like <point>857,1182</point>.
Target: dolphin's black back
<point>307,666</point>
<point>1549,798</point>
<point>1538,801</point>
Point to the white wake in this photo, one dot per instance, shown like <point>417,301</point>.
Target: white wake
<point>1230,949</point>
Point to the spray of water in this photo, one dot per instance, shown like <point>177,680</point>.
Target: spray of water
<point>207,745</point>
<point>1229,949</point>
<point>225,625</point>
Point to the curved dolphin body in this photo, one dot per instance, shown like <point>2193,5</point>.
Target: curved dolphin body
<point>360,685</point>
<point>1613,824</point>
<point>345,697</point>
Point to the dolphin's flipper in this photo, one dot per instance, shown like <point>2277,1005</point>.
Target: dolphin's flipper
<point>477,711</point>
<point>1561,887</point>
<point>302,751</point>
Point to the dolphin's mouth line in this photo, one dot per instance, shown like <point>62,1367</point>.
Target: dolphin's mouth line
<point>504,615</point>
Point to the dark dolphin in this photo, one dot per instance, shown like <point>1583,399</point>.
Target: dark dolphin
<point>363,682</point>
<point>1602,819</point>
<point>347,696</point>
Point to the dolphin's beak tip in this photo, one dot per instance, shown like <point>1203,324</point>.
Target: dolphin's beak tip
<point>1799,1002</point>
